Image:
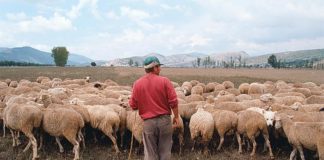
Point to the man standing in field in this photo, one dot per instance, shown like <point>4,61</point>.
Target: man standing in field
<point>155,97</point>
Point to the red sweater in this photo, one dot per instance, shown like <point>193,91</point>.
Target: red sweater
<point>153,95</point>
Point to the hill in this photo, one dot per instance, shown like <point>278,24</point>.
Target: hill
<point>32,55</point>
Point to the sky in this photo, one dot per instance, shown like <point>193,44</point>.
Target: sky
<point>110,29</point>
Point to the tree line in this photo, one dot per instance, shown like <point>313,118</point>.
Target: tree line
<point>13,63</point>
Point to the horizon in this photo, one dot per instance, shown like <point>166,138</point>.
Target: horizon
<point>102,30</point>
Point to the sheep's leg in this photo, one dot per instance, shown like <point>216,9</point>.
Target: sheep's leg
<point>113,139</point>
<point>33,143</point>
<point>17,138</point>
<point>266,138</point>
<point>254,145</point>
<point>76,146</point>
<point>220,142</point>
<point>81,138</point>
<point>4,129</point>
<point>193,146</point>
<point>206,148</point>
<point>180,137</point>
<point>122,133</point>
<point>94,137</point>
<point>301,152</point>
<point>293,154</point>
<point>40,141</point>
<point>239,141</point>
<point>13,138</point>
<point>28,146</point>
<point>58,141</point>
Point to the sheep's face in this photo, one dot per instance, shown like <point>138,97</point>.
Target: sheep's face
<point>222,93</point>
<point>296,106</point>
<point>269,117</point>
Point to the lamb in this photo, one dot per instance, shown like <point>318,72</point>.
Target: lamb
<point>201,124</point>
<point>252,124</point>
<point>244,88</point>
<point>24,118</point>
<point>315,100</point>
<point>302,134</point>
<point>197,90</point>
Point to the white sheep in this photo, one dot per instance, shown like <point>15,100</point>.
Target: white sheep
<point>244,88</point>
<point>197,90</point>
<point>186,86</point>
<point>269,116</point>
<point>194,98</point>
<point>201,124</point>
<point>210,87</point>
<point>228,84</point>
<point>256,88</point>
<point>252,124</point>
<point>307,108</point>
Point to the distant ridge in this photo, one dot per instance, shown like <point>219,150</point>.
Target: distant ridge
<point>32,55</point>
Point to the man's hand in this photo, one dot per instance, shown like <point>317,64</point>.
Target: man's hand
<point>176,122</point>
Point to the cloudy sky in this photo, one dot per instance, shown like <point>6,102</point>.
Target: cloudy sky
<point>109,29</point>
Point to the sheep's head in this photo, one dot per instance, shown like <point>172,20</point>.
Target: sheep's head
<point>266,97</point>
<point>278,122</point>
<point>186,90</point>
<point>296,106</point>
<point>87,78</point>
<point>76,101</point>
<point>210,99</point>
<point>223,93</point>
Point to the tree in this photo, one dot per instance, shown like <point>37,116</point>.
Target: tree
<point>93,64</point>
<point>272,60</point>
<point>60,55</point>
<point>130,62</point>
<point>198,61</point>
<point>136,64</point>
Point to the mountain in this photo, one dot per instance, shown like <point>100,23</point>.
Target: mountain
<point>32,55</point>
<point>288,56</point>
<point>177,60</point>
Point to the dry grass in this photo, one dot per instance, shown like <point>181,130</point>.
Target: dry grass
<point>126,76</point>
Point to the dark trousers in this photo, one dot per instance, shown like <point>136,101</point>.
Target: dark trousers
<point>157,138</point>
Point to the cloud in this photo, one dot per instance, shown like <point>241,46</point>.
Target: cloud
<point>40,24</point>
<point>112,15</point>
<point>75,11</point>
<point>16,16</point>
<point>134,14</point>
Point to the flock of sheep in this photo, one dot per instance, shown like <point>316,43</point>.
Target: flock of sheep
<point>62,108</point>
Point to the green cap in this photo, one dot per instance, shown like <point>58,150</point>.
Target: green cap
<point>151,61</point>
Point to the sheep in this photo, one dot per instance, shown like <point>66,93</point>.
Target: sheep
<point>119,88</point>
<point>180,94</point>
<point>224,96</point>
<point>281,85</point>
<point>41,78</point>
<point>309,85</point>
<point>110,82</point>
<point>74,81</point>
<point>194,97</point>
<point>186,86</point>
<point>175,84</point>
<point>179,132</point>
<point>105,119</point>
<point>210,99</point>
<point>188,109</point>
<point>61,93</point>
<point>268,115</point>
<point>252,124</point>
<point>256,88</point>
<point>228,84</point>
<point>243,97</point>
<point>315,100</point>
<point>288,100</point>
<point>13,84</point>
<point>194,82</point>
<point>231,106</point>
<point>234,91</point>
<point>290,94</point>
<point>210,87</point>
<point>304,91</point>
<point>7,81</point>
<point>219,87</point>
<point>197,90</point>
<point>203,86</point>
<point>307,108</point>
<point>3,85</point>
<point>244,88</point>
<point>23,117</point>
<point>60,121</point>
<point>302,135</point>
<point>225,121</point>
<point>135,124</point>
<point>201,124</point>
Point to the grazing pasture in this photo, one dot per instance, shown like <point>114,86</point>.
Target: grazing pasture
<point>103,149</point>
